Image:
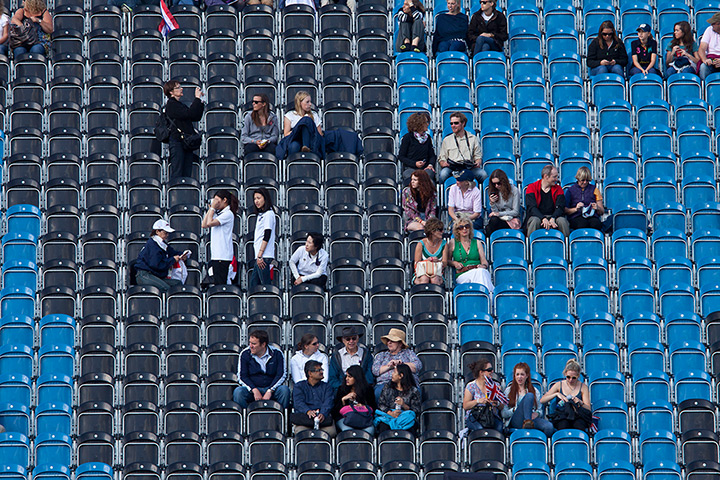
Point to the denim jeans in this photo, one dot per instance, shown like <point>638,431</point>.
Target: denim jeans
<point>524,411</point>
<point>706,70</point>
<point>634,70</point>
<point>486,44</point>
<point>607,69</point>
<point>478,172</point>
<point>671,71</point>
<point>243,397</point>
<point>451,46</point>
<point>37,48</point>
<point>296,146</point>
<point>473,424</point>
<point>4,49</point>
<point>260,276</point>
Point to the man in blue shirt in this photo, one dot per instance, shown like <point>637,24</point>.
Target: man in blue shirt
<point>313,400</point>
<point>262,373</point>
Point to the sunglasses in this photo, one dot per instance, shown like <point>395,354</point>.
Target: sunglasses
<point>496,183</point>
<point>255,102</point>
<point>351,339</point>
<point>570,377</point>
<point>483,3</point>
<point>454,123</point>
<point>315,343</point>
<point>607,34</point>
<point>463,227</point>
<point>491,369</point>
<point>316,370</point>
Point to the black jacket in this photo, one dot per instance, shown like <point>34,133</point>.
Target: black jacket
<point>412,151</point>
<point>183,117</point>
<point>155,260</point>
<point>497,25</point>
<point>615,52</point>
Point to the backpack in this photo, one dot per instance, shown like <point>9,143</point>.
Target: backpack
<point>162,128</point>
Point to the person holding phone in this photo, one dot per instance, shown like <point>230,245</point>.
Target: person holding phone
<point>220,219</point>
<point>182,118</point>
<point>156,258</point>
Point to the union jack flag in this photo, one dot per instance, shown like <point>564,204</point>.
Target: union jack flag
<point>168,23</point>
<point>494,392</point>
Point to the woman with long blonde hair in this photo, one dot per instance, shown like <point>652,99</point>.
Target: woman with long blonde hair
<point>300,123</point>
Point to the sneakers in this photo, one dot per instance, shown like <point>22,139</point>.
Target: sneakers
<point>417,50</point>
<point>404,47</point>
<point>528,424</point>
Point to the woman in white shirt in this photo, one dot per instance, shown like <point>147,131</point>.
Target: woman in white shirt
<point>307,349</point>
<point>264,239</point>
<point>302,139</point>
<point>220,219</point>
<point>4,29</point>
<point>308,263</point>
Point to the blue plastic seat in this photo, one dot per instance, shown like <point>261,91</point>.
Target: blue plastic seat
<point>507,243</point>
<point>669,13</point>
<point>685,325</point>
<point>57,329</point>
<point>491,64</point>
<point>19,246</point>
<point>708,271</point>
<point>571,112</point>
<point>616,471</point>
<point>17,330</point>
<point>632,270</point>
<point>632,14</point>
<point>573,139</point>
<point>535,137</point>
<point>452,63</point>
<point>16,359</point>
<point>15,388</point>
<point>660,163</point>
<point>607,86</point>
<point>476,327</point>
<point>682,86</point>
<point>573,470</point>
<point>528,445</point>
<point>704,9</point>
<point>504,161</point>
<point>555,355</point>
<point>620,191</point>
<point>414,88</point>
<point>530,470</point>
<point>661,469</point>
<point>650,384</point>
<point>94,471</point>
<point>590,298</point>
<point>559,14</point>
<point>23,218</point>
<point>53,448</point>
<point>606,384</point>
<point>511,297</point>
<point>52,388</point>
<point>654,414</point>
<point>17,301</point>
<point>702,244</point>
<point>497,138</point>
<point>705,217</point>
<point>14,449</point>
<point>20,273</point>
<point>532,163</point>
<point>653,138</point>
<point>557,326</point>
<point>495,112</point>
<point>669,243</point>
<point>691,111</point>
<point>528,89</point>
<point>411,64</point>
<point>547,243</point>
<point>586,242</point>
<point>658,190</point>
<point>691,384</point>
<point>487,86</point>
<point>676,297</point>
<point>594,13</point>
<point>533,113</point>
<point>669,216</point>
<point>629,242</point>
<point>52,471</point>
<point>632,215</point>
<point>572,160</point>
<point>471,298</point>
<point>525,38</point>
<point>657,444</point>
<point>570,445</point>
<point>597,326</point>
<point>590,270</point>
<point>513,353</point>
<point>646,355</point>
<point>601,356</point>
<point>687,355</point>
<point>57,359</point>
<point>550,271</point>
<point>565,85</point>
<point>613,415</point>
<point>634,297</point>
<point>521,15</point>
<point>644,87</point>
<point>614,111</point>
<point>510,270</point>
<point>516,327</point>
<point>562,59</point>
<point>652,111</point>
<point>612,446</point>
<point>641,326</point>
<point>53,418</point>
<point>693,138</point>
<point>15,417</point>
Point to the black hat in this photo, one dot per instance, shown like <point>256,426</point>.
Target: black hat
<point>349,332</point>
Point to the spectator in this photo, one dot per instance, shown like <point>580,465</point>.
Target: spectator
<point>504,204</point>
<point>429,261</point>
<point>588,202</point>
<point>4,31</point>
<point>156,258</point>
<point>545,203</point>
<point>411,27</point>
<point>356,392</point>
<point>262,373</point>
<point>709,51</point>
<point>573,408</point>
<point>399,401</point>
<point>315,4</point>
<point>351,353</point>
<point>260,129</point>
<point>397,353</point>
<point>451,28</point>
<point>464,197</point>
<point>309,262</point>
<point>524,409</point>
<point>350,3</point>
<point>488,29</point>
<point>644,52</point>
<point>308,348</point>
<point>606,53</point>
<point>264,239</point>
<point>220,219</point>
<point>416,148</point>
<point>460,151</point>
<point>30,29</point>
<point>682,52</point>
<point>182,117</point>
<point>269,3</point>
<point>466,254</point>
<point>313,399</point>
<point>477,395</point>
<point>418,201</point>
<point>302,128</point>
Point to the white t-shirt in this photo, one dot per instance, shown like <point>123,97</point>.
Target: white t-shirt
<point>264,221</point>
<point>300,2</point>
<point>4,20</point>
<point>298,361</point>
<point>712,39</point>
<point>294,118</point>
<point>221,246</point>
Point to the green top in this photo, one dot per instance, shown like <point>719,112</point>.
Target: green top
<point>466,258</point>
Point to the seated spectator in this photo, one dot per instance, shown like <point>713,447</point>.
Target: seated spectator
<point>313,401</point>
<point>606,53</point>
<point>286,3</point>
<point>465,197</point>
<point>269,3</point>
<point>429,261</point>
<point>308,263</point>
<point>488,29</point>
<point>220,219</point>
<point>524,409</point>
<point>350,3</point>
<point>450,29</point>
<point>410,36</point>
<point>307,349</point>
<point>30,29</point>
<point>418,201</point>
<point>573,409</point>
<point>263,239</point>
<point>481,401</point>
<point>466,254</point>
<point>709,51</point>
<point>545,203</point>
<point>182,156</point>
<point>260,131</point>
<point>302,128</point>
<point>460,151</point>
<point>682,51</point>
<point>399,401</point>
<point>156,259</point>
<point>397,353</point>
<point>416,148</point>
<point>4,31</point>
<point>644,52</point>
<point>355,395</point>
<point>587,200</point>
<point>504,204</point>
<point>262,373</point>
<point>350,353</point>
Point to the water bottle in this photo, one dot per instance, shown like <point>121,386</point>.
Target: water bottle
<point>316,420</point>
<point>398,406</point>
<point>561,403</point>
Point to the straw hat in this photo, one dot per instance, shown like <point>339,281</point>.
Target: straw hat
<point>396,335</point>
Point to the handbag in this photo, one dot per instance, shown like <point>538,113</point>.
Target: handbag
<point>163,128</point>
<point>24,35</point>
<point>357,416</point>
<point>484,415</point>
<point>429,268</point>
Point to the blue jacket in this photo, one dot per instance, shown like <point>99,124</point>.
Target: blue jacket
<point>155,260</point>
<point>339,140</point>
<point>317,144</point>
<point>251,375</point>
<point>320,397</point>
<point>337,377</point>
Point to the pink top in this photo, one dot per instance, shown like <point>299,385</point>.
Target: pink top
<point>470,201</point>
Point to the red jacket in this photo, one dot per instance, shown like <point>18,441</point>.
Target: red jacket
<point>534,190</point>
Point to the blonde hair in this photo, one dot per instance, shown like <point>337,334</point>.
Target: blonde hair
<point>583,173</point>
<point>299,97</point>
<point>462,219</point>
<point>573,366</point>
<point>35,6</point>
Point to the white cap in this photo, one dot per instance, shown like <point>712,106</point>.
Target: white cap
<point>163,225</point>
